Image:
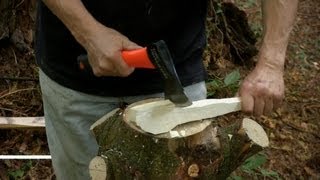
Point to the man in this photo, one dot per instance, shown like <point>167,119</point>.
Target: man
<point>73,99</point>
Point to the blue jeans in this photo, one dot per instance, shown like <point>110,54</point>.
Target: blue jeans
<point>69,115</point>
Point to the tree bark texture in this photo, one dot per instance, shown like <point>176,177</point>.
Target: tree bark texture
<point>211,154</point>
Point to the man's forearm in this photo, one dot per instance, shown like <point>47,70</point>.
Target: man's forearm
<point>278,20</point>
<point>75,17</point>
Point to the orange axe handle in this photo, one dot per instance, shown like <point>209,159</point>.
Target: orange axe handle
<point>135,58</point>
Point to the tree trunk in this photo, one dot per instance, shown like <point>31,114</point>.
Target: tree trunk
<point>211,154</point>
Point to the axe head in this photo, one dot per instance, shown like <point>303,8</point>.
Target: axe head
<point>160,57</point>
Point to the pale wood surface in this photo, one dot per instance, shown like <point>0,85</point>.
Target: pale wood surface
<point>255,132</point>
<point>162,116</point>
<point>215,151</point>
<point>21,122</point>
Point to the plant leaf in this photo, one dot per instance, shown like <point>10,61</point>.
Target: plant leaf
<point>16,174</point>
<point>267,173</point>
<point>232,78</point>
<point>254,162</point>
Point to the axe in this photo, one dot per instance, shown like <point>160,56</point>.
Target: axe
<point>154,56</point>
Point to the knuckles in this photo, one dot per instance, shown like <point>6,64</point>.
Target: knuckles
<point>105,68</point>
<point>247,111</point>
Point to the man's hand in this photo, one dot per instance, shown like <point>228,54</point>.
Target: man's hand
<point>104,52</point>
<point>262,90</point>
<point>103,44</point>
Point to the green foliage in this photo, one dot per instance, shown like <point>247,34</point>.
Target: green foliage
<point>253,163</point>
<point>19,173</point>
<point>271,174</point>
<point>218,8</point>
<point>232,78</point>
<point>252,167</point>
<point>235,178</point>
<point>16,174</point>
<point>257,29</point>
<point>301,55</point>
<point>229,85</point>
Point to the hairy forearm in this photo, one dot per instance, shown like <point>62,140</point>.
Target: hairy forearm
<point>75,17</point>
<point>278,20</point>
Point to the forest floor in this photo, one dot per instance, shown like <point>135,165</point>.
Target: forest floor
<point>294,130</point>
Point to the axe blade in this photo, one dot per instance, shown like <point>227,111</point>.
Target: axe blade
<point>160,57</point>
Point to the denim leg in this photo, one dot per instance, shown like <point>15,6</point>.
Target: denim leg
<point>69,115</point>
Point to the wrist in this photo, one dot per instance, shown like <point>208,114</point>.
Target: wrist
<point>272,56</point>
<point>85,29</point>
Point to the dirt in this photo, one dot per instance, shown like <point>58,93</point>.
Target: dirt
<point>294,130</point>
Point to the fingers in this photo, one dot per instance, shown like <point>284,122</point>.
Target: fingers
<point>247,103</point>
<point>111,63</point>
<point>259,100</point>
<point>123,70</point>
<point>106,66</point>
<point>268,106</point>
<point>129,45</point>
<point>104,53</point>
<point>259,105</point>
<point>277,100</point>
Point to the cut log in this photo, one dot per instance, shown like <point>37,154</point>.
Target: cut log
<point>210,154</point>
<point>162,116</point>
<point>21,122</point>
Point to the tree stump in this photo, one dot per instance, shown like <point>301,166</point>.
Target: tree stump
<point>212,153</point>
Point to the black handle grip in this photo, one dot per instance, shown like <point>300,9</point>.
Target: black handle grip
<point>83,63</point>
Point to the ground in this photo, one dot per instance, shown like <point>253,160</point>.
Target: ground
<point>294,130</point>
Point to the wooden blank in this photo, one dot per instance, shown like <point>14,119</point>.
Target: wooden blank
<point>21,122</point>
<point>162,116</point>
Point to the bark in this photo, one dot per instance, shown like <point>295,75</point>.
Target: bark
<point>211,154</point>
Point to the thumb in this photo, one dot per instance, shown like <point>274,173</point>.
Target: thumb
<point>129,45</point>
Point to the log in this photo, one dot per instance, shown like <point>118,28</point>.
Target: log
<point>213,153</point>
<point>21,122</point>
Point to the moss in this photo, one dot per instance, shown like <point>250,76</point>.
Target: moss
<point>133,154</point>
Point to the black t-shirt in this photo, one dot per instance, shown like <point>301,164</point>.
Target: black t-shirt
<point>181,24</point>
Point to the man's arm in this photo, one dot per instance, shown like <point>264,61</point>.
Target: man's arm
<point>103,44</point>
<point>263,89</point>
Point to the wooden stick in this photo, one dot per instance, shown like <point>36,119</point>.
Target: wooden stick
<point>162,116</point>
<point>21,122</point>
